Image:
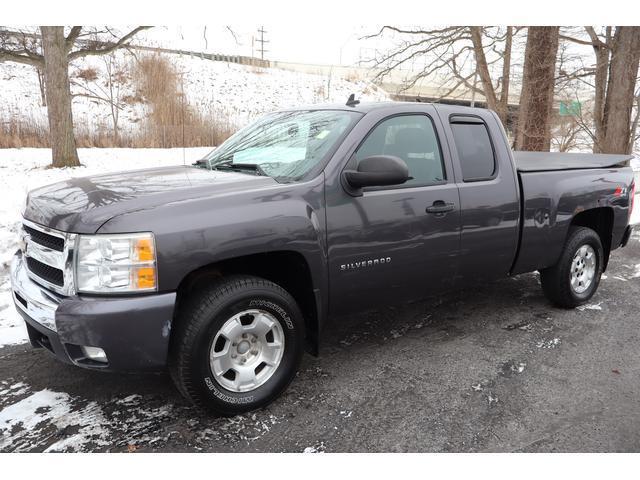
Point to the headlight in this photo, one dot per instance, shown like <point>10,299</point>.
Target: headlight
<point>116,263</point>
<point>25,201</point>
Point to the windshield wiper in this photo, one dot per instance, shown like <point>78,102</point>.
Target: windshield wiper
<point>202,163</point>
<point>253,167</point>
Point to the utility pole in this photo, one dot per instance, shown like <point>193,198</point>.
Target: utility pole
<point>262,41</point>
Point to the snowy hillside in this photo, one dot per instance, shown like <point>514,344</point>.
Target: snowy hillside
<point>242,92</point>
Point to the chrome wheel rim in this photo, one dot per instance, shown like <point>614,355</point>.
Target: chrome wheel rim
<point>583,269</point>
<point>247,350</point>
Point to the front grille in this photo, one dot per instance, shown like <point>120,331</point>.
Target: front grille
<point>46,272</point>
<point>44,239</point>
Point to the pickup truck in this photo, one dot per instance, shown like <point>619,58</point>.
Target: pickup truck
<point>225,271</point>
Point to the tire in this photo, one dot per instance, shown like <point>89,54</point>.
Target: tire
<point>557,280</point>
<point>200,351</point>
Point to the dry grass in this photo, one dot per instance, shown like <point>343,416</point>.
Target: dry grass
<point>19,133</point>
<point>88,74</point>
<point>172,122</point>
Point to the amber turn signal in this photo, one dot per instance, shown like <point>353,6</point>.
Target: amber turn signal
<point>144,250</point>
<point>145,278</point>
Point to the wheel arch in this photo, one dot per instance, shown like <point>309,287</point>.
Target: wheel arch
<point>286,268</point>
<point>600,220</point>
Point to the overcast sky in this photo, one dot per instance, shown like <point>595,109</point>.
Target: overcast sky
<point>296,42</point>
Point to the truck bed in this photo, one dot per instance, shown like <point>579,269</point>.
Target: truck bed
<point>549,161</point>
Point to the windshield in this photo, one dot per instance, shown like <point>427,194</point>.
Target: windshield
<point>283,145</point>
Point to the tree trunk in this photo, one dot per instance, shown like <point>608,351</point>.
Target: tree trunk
<point>618,105</point>
<point>602,53</point>
<point>536,99</point>
<point>503,104</point>
<point>43,98</point>
<point>58,94</point>
<point>482,68</point>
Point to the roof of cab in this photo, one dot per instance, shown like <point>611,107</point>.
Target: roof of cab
<point>363,107</point>
<point>366,107</point>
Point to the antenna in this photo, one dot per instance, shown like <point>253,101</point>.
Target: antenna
<point>352,102</point>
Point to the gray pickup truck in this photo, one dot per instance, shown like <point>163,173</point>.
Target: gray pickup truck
<point>225,271</point>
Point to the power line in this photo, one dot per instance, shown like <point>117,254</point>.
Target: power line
<point>262,41</point>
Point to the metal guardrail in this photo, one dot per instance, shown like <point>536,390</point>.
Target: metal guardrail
<point>217,57</point>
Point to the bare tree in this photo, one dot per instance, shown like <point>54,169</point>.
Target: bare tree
<point>57,51</point>
<point>456,55</point>
<point>573,131</point>
<point>565,135</point>
<point>109,92</point>
<point>536,99</point>
<point>617,53</point>
<point>619,100</point>
<point>43,97</point>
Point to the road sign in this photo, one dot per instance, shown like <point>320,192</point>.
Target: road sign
<point>573,108</point>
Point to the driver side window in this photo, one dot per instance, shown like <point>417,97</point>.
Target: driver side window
<point>413,139</point>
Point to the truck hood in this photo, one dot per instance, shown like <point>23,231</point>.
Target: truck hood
<point>82,205</point>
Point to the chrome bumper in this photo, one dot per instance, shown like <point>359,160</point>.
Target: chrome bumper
<point>34,300</point>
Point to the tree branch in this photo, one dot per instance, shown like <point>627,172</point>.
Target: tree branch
<point>20,47</point>
<point>576,40</point>
<point>26,58</point>
<point>73,36</point>
<point>84,52</point>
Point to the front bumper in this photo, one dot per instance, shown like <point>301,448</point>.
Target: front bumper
<point>133,331</point>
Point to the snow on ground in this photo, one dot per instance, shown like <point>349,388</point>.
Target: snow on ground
<point>57,422</point>
<point>51,421</point>
<point>590,306</point>
<point>22,170</point>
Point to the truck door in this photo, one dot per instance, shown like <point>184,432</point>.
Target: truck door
<point>399,242</point>
<point>489,195</point>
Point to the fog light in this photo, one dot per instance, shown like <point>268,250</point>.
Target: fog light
<point>94,353</point>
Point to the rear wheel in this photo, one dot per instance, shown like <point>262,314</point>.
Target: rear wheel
<point>237,345</point>
<point>575,278</point>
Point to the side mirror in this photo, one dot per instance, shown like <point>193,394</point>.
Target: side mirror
<point>378,171</point>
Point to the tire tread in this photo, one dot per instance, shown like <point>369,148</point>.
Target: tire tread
<point>554,279</point>
<point>192,316</point>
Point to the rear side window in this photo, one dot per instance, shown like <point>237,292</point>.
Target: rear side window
<point>474,150</point>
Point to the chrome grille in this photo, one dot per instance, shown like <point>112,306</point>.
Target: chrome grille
<point>44,239</point>
<point>49,257</point>
<point>46,272</point>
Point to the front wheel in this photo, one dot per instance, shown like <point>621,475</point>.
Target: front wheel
<point>237,345</point>
<point>575,278</point>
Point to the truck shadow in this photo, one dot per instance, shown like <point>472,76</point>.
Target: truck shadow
<point>439,319</point>
<point>447,316</point>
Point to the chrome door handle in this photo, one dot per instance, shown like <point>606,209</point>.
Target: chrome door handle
<point>440,207</point>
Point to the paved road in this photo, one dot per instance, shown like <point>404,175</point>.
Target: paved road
<point>493,369</point>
